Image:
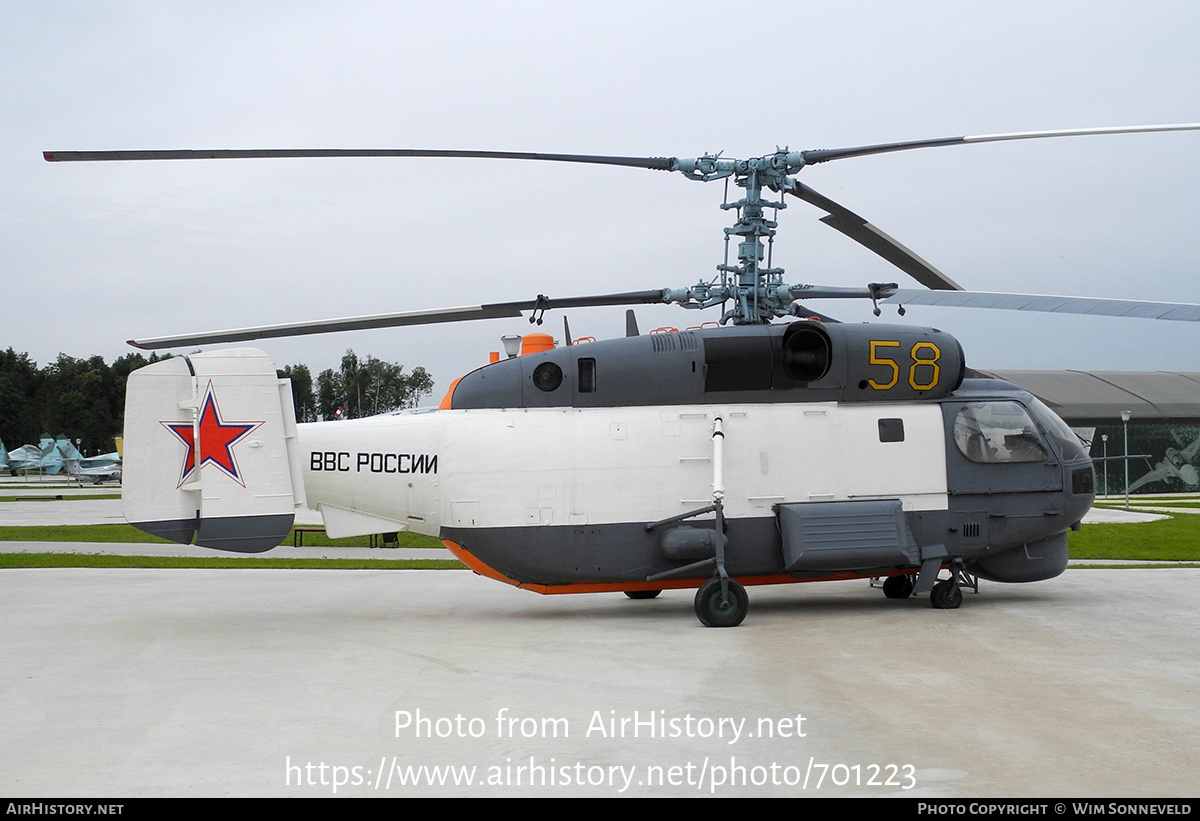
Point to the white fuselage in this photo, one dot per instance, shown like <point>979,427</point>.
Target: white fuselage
<point>572,466</point>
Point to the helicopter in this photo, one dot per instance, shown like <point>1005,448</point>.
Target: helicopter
<point>729,454</point>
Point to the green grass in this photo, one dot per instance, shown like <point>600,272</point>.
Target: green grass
<point>1150,503</point>
<point>77,533</point>
<point>1175,539</point>
<point>103,534</point>
<point>1100,565</point>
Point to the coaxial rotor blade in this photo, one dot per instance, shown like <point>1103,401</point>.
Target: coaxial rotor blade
<point>1176,311</point>
<point>866,234</point>
<point>654,163</point>
<point>826,154</point>
<point>433,316</point>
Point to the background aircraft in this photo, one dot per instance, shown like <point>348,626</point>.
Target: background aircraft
<point>1175,466</point>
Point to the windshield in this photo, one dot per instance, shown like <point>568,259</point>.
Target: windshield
<point>991,432</point>
<point>1062,438</point>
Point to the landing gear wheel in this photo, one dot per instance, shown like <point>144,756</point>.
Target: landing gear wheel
<point>898,587</point>
<point>946,595</point>
<point>713,612</point>
<point>642,594</point>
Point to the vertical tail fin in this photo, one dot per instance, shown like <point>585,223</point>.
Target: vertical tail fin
<point>67,448</point>
<point>210,451</point>
<point>50,460</point>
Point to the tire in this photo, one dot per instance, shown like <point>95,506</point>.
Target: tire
<point>642,594</point>
<point>946,595</point>
<point>713,613</point>
<point>898,587</point>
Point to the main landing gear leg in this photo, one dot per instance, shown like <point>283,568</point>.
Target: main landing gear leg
<point>720,601</point>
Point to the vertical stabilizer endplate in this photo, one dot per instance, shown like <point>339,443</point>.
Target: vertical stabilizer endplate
<point>207,441</point>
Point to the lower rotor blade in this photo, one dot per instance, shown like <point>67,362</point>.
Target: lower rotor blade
<point>867,235</point>
<point>497,310</point>
<point>1175,311</point>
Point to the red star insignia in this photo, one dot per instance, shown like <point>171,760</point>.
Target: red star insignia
<point>216,440</point>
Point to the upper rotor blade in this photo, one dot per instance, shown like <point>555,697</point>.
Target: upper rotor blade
<point>433,316</point>
<point>654,163</point>
<point>826,154</point>
<point>1177,311</point>
<point>864,233</point>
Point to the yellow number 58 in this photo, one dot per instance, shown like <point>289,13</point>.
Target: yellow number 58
<point>922,354</point>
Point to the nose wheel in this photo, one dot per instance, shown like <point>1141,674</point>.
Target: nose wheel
<point>946,595</point>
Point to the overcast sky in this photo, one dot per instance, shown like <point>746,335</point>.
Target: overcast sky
<point>93,254</point>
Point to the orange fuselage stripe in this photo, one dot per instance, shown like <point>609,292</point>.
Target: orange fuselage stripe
<point>474,563</point>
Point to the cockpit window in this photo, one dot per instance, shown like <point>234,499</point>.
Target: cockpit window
<point>1062,438</point>
<point>990,432</point>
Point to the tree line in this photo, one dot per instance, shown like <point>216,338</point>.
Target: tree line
<point>85,398</point>
<point>359,387</point>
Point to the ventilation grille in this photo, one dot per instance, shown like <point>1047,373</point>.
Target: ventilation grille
<point>675,341</point>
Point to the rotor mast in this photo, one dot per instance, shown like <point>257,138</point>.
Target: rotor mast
<point>755,288</point>
<point>751,275</point>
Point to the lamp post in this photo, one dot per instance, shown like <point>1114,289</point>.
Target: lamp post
<point>1125,424</point>
<point>1104,438</point>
